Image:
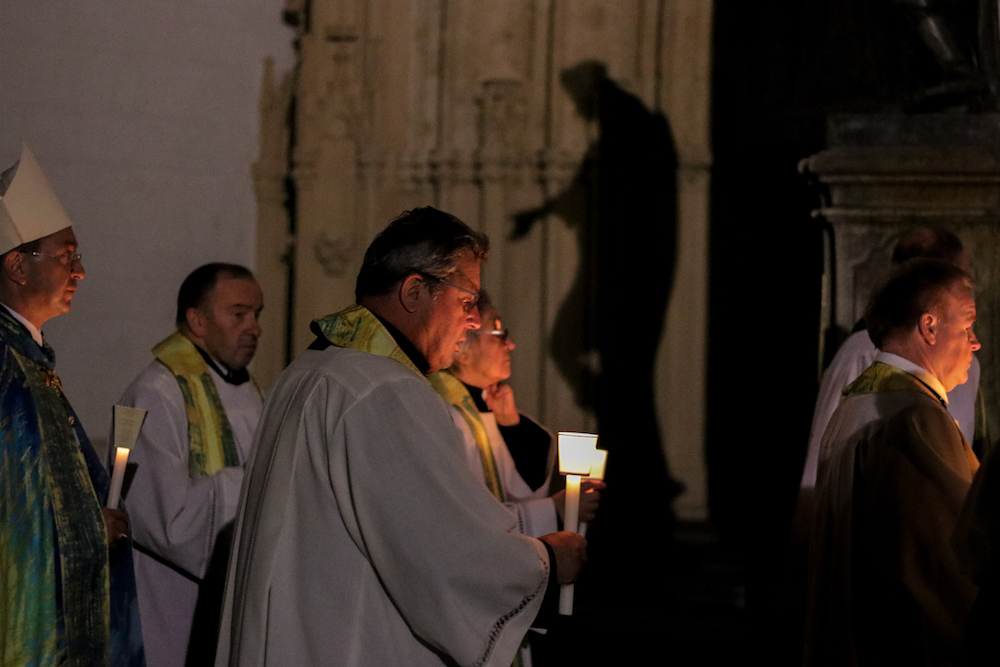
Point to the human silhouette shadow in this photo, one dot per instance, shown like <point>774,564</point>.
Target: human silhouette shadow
<point>622,205</point>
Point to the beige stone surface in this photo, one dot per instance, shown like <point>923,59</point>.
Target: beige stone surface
<point>402,103</point>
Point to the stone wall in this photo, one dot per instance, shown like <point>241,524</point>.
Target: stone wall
<point>401,103</point>
<point>144,116</point>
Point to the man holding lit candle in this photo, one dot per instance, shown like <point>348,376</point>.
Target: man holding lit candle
<point>511,454</point>
<point>886,585</point>
<point>362,537</point>
<point>67,590</point>
<point>202,410</point>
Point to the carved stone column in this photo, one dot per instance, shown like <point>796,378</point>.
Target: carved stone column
<point>275,242</point>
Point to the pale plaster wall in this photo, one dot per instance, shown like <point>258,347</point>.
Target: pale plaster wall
<point>144,115</point>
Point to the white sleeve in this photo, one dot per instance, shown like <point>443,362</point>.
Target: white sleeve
<point>852,359</point>
<point>172,515</point>
<point>536,513</point>
<point>441,544</point>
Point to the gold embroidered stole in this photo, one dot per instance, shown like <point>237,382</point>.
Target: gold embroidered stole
<point>79,526</point>
<point>881,377</point>
<point>211,445</point>
<point>452,390</point>
<point>358,329</point>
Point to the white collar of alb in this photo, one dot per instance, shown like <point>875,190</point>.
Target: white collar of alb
<point>36,335</point>
<point>916,371</point>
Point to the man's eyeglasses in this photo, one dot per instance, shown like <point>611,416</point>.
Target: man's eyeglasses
<point>66,259</point>
<point>502,334</point>
<point>468,305</point>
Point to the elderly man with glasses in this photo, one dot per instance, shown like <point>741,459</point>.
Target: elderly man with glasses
<point>507,450</point>
<point>67,588</point>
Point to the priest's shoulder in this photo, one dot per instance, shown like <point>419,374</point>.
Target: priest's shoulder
<point>155,378</point>
<point>924,415</point>
<point>355,368</point>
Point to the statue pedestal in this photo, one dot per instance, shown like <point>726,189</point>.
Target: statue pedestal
<point>885,174</point>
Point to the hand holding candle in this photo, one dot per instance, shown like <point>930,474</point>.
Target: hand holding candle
<point>597,466</point>
<point>127,423</point>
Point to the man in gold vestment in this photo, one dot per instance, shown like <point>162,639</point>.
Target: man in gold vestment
<point>885,583</point>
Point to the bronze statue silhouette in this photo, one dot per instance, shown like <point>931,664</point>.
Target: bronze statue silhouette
<point>962,40</point>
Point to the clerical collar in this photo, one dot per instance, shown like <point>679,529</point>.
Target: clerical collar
<point>36,335</point>
<point>477,397</point>
<point>231,377</point>
<point>916,371</point>
<point>408,348</point>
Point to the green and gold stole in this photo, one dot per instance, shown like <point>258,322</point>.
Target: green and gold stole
<point>881,377</point>
<point>357,328</point>
<point>452,390</point>
<point>211,445</point>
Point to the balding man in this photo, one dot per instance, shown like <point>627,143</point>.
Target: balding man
<point>202,410</point>
<point>67,591</point>
<point>858,352</point>
<point>362,537</point>
<point>886,586</point>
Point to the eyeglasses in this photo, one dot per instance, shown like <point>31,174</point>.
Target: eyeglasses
<point>468,305</point>
<point>502,334</point>
<point>66,259</point>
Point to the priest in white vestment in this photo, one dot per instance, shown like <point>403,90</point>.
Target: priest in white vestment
<point>362,538</point>
<point>886,583</point>
<point>202,410</point>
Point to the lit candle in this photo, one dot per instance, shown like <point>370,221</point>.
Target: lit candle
<point>576,456</point>
<point>117,477</point>
<point>127,422</point>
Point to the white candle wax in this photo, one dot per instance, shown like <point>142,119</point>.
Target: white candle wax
<point>570,523</point>
<point>117,477</point>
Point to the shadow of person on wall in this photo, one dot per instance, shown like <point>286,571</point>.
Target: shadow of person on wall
<point>622,204</point>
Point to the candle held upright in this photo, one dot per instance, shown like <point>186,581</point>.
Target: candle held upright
<point>127,424</point>
<point>576,455</point>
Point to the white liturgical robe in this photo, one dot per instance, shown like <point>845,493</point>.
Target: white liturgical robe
<point>536,513</point>
<point>362,537</point>
<point>173,516</point>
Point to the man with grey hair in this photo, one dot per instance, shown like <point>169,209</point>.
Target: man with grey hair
<point>362,538</point>
<point>886,586</point>
<point>67,589</point>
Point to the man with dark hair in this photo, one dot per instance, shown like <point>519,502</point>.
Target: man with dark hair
<point>67,589</point>
<point>885,582</point>
<point>362,538</point>
<point>197,287</point>
<point>202,410</point>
